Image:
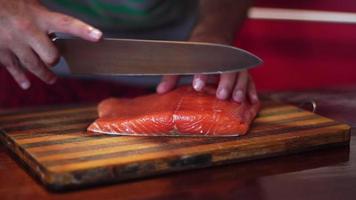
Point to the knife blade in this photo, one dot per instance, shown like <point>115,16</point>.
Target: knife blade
<point>151,57</point>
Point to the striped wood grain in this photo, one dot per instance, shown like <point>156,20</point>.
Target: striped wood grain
<point>56,147</point>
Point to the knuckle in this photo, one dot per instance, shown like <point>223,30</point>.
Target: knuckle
<point>52,57</point>
<point>23,24</point>
<point>64,20</point>
<point>239,88</point>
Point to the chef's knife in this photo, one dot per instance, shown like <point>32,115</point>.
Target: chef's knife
<point>151,57</point>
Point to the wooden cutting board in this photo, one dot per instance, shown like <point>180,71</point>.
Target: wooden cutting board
<point>53,144</point>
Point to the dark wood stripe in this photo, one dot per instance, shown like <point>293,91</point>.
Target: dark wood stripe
<point>47,125</point>
<point>44,109</point>
<point>271,104</point>
<point>47,133</point>
<point>44,122</point>
<point>283,130</point>
<point>3,123</point>
<point>167,146</point>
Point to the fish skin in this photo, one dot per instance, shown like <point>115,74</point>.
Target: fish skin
<point>180,112</point>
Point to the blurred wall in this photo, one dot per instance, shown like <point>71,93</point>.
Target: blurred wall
<point>302,55</point>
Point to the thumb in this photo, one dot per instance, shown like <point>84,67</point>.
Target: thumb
<point>58,22</point>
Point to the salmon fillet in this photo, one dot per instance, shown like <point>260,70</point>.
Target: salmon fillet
<point>180,112</point>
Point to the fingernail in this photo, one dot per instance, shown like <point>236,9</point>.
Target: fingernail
<point>222,94</point>
<point>25,85</point>
<point>160,89</point>
<point>198,84</point>
<point>239,96</point>
<point>254,99</point>
<point>95,33</point>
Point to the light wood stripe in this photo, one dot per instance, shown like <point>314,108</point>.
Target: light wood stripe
<point>283,122</point>
<point>113,159</point>
<point>62,141</point>
<point>281,117</point>
<point>95,146</point>
<point>277,110</point>
<point>86,143</point>
<point>76,134</point>
<point>99,155</point>
<point>57,130</point>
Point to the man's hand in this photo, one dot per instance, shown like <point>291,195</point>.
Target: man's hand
<point>237,86</point>
<point>218,23</point>
<point>24,41</point>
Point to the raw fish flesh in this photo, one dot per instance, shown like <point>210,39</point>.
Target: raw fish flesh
<point>182,111</point>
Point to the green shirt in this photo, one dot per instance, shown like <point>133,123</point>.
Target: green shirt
<point>125,14</point>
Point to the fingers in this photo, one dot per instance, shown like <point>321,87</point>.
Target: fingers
<point>43,47</point>
<point>32,63</point>
<point>24,36</point>
<point>239,93</point>
<point>238,86</point>
<point>252,92</point>
<point>66,24</point>
<point>199,82</point>
<point>168,82</point>
<point>18,74</point>
<point>226,85</point>
<point>9,61</point>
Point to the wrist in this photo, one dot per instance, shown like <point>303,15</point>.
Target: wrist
<point>215,29</point>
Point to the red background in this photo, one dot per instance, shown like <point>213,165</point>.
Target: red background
<point>302,55</point>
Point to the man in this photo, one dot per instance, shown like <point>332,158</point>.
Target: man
<point>25,25</point>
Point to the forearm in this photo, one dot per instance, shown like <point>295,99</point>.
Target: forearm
<point>219,20</point>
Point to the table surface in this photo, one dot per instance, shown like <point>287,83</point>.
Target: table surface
<point>323,174</point>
